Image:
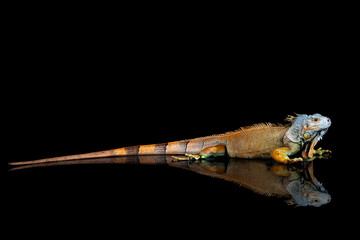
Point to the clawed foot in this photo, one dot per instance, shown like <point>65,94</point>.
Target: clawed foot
<point>293,160</point>
<point>187,157</point>
<point>322,153</point>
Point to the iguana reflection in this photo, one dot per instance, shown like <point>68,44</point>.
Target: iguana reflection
<point>295,182</point>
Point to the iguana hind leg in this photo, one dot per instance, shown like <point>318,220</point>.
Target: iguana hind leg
<point>212,151</point>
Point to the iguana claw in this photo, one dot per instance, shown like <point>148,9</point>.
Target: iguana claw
<point>188,157</point>
<point>322,153</point>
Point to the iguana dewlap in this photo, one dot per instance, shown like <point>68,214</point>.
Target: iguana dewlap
<point>263,140</point>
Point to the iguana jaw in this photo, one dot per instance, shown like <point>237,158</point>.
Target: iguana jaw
<point>308,152</point>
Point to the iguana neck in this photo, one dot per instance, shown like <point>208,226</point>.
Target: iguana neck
<point>297,129</point>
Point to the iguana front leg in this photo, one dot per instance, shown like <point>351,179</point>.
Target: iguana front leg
<point>320,154</point>
<point>282,154</point>
<point>212,151</point>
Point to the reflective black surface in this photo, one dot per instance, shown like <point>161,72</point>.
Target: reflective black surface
<point>77,87</point>
<point>295,182</point>
<point>140,193</point>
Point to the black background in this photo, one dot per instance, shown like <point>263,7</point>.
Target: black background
<point>87,85</point>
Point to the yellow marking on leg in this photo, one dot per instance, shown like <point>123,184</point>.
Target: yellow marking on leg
<point>281,155</point>
<point>280,170</point>
<point>187,157</point>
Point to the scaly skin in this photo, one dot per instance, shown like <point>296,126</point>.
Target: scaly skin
<point>264,140</point>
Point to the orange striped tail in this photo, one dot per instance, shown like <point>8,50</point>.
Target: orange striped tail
<point>171,148</point>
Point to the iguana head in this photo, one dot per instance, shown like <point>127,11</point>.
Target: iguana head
<point>308,130</point>
<point>307,190</point>
<point>305,193</point>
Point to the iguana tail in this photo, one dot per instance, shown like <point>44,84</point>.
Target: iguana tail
<point>178,147</point>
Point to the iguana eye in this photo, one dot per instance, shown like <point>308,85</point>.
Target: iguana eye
<point>315,119</point>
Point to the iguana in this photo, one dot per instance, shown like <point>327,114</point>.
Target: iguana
<point>264,140</point>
